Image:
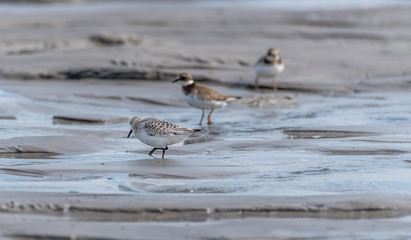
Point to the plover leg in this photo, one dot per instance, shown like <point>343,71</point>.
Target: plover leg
<point>202,116</point>
<point>274,85</point>
<point>256,83</point>
<point>209,116</point>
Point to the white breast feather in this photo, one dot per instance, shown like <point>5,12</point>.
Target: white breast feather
<point>268,71</point>
<point>204,104</point>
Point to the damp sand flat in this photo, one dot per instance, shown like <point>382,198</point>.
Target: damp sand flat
<point>329,152</point>
<point>153,45</point>
<point>88,216</point>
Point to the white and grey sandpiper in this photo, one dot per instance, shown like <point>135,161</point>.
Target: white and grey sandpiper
<point>269,66</point>
<point>158,133</point>
<point>200,96</point>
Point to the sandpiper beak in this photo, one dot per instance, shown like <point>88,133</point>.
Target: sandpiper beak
<point>178,79</point>
<point>131,130</point>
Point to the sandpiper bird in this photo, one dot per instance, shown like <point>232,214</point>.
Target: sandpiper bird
<point>200,96</point>
<point>269,66</point>
<point>158,133</point>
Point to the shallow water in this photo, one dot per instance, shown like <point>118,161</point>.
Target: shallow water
<point>323,144</point>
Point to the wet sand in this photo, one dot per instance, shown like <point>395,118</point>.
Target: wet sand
<point>85,216</point>
<point>326,157</point>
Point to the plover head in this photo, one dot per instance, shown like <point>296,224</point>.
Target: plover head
<point>273,54</point>
<point>184,79</point>
<point>273,51</point>
<point>133,123</point>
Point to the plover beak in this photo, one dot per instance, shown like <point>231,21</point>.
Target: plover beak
<point>131,130</point>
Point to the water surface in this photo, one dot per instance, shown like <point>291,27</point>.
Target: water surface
<point>354,143</point>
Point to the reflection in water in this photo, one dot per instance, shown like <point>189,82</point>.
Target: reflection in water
<point>208,133</point>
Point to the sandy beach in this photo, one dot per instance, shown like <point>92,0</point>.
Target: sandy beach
<point>327,156</point>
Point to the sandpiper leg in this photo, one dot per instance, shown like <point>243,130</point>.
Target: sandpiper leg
<point>209,116</point>
<point>202,116</point>
<point>256,84</point>
<point>152,151</point>
<point>274,85</point>
<point>164,151</point>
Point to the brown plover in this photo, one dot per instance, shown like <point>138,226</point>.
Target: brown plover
<point>200,96</point>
